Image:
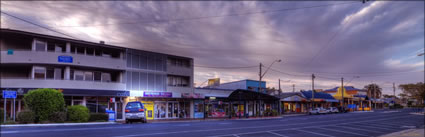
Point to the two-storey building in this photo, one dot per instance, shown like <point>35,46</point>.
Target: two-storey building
<point>90,74</point>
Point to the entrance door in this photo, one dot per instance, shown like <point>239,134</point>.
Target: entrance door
<point>173,109</point>
<point>160,109</point>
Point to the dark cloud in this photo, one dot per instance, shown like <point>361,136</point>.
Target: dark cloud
<point>381,36</point>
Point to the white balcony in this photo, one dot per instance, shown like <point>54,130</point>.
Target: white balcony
<point>60,84</point>
<point>178,70</point>
<point>40,57</point>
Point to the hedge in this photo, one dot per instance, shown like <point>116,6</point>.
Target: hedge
<point>78,113</point>
<point>58,117</point>
<point>98,117</point>
<point>44,102</point>
<point>26,116</point>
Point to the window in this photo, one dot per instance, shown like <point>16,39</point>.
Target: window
<point>98,52</point>
<point>106,77</point>
<point>80,50</point>
<point>143,81</point>
<point>90,51</point>
<point>58,73</point>
<point>180,81</point>
<point>88,76</point>
<point>134,61</point>
<point>71,75</point>
<point>106,54</point>
<point>59,48</point>
<point>39,72</point>
<point>151,81</point>
<point>50,73</point>
<point>151,62</point>
<point>97,76</point>
<point>40,46</point>
<point>135,80</point>
<point>143,62</point>
<point>79,75</point>
<point>50,47</point>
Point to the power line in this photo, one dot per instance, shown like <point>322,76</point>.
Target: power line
<point>27,21</point>
<point>289,73</point>
<point>226,67</point>
<point>216,16</point>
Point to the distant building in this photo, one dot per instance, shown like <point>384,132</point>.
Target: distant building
<point>247,84</point>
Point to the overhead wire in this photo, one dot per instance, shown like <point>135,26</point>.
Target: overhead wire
<point>215,67</point>
<point>208,17</point>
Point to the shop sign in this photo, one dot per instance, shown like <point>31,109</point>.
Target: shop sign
<point>158,94</point>
<point>212,98</point>
<point>192,95</point>
<point>65,59</point>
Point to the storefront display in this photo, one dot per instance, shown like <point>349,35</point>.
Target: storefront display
<point>198,109</point>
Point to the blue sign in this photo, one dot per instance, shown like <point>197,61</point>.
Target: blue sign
<point>10,52</point>
<point>65,59</point>
<point>9,94</point>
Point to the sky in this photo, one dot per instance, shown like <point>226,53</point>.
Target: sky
<point>375,42</point>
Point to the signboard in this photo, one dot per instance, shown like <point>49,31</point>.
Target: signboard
<point>158,94</point>
<point>149,106</point>
<point>9,94</point>
<point>192,95</point>
<point>65,59</point>
<point>10,52</point>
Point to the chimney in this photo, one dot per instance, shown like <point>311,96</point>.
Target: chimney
<point>102,42</point>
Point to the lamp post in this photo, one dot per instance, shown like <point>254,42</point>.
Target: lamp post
<point>261,75</point>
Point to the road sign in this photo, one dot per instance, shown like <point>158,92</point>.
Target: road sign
<point>9,94</point>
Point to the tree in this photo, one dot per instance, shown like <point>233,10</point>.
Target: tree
<point>44,102</point>
<point>416,91</point>
<point>388,96</point>
<point>371,88</point>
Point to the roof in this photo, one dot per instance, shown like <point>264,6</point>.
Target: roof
<point>241,81</point>
<point>251,95</point>
<point>288,94</point>
<point>318,95</point>
<point>347,88</point>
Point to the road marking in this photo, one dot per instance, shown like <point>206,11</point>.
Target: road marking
<point>361,129</point>
<point>371,127</point>
<point>205,130</point>
<point>277,134</point>
<point>344,132</point>
<point>379,125</point>
<point>236,135</point>
<point>315,133</point>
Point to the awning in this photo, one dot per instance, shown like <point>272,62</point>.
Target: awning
<point>332,100</point>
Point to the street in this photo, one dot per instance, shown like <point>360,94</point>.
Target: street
<point>330,125</point>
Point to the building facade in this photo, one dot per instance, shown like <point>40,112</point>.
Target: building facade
<point>90,74</point>
<point>252,85</point>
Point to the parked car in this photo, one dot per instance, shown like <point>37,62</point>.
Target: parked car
<point>333,110</point>
<point>135,111</point>
<point>317,111</point>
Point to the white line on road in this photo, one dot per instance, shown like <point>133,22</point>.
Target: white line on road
<point>315,133</point>
<point>344,132</point>
<point>277,134</point>
<point>374,131</point>
<point>236,135</point>
<point>379,125</point>
<point>72,129</point>
<point>372,127</point>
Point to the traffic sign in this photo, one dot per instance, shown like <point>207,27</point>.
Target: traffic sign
<point>9,94</point>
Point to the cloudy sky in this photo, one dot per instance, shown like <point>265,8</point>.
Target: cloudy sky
<point>377,41</point>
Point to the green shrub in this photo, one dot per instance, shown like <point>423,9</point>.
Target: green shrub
<point>58,117</point>
<point>98,117</point>
<point>78,113</point>
<point>26,116</point>
<point>44,102</point>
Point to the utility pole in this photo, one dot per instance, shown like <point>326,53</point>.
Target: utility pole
<point>394,89</point>
<point>259,82</point>
<point>280,108</point>
<point>293,87</point>
<point>342,91</point>
<point>312,92</point>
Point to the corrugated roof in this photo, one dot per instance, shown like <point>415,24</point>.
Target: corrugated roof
<point>347,88</point>
<point>317,95</point>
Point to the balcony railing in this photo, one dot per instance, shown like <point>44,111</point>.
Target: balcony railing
<point>66,84</point>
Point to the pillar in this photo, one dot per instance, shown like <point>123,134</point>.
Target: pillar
<point>67,73</point>
<point>68,47</point>
<point>192,109</point>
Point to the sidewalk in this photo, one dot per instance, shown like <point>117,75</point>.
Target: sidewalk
<point>407,133</point>
<point>58,124</point>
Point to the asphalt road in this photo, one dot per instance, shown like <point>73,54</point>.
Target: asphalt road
<point>330,125</point>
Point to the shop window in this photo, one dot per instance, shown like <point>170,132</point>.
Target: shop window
<point>102,104</point>
<point>106,77</point>
<point>97,76</point>
<point>40,46</point>
<point>88,76</point>
<point>39,72</point>
<point>50,73</point>
<point>98,52</point>
<point>91,104</point>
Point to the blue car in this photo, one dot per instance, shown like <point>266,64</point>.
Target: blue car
<point>135,111</point>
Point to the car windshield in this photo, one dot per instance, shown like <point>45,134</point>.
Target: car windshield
<point>134,105</point>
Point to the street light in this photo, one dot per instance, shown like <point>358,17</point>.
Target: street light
<point>262,74</point>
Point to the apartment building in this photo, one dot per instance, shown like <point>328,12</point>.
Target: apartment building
<point>90,74</point>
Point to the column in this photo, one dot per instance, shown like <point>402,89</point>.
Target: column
<point>192,109</point>
<point>68,47</point>
<point>67,73</point>
<point>120,77</point>
<point>84,101</point>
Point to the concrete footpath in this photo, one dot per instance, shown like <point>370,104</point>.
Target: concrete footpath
<point>58,124</point>
<point>407,133</point>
